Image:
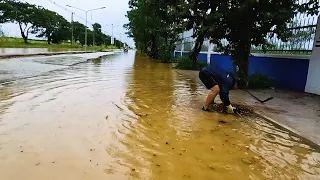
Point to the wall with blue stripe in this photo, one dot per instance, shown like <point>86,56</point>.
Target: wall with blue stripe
<point>202,56</point>
<point>286,72</point>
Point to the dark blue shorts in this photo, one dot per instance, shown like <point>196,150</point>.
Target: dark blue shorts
<point>207,79</point>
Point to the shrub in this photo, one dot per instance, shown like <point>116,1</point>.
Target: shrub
<point>186,63</point>
<point>259,81</point>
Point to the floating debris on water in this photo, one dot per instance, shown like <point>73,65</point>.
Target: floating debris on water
<point>242,109</point>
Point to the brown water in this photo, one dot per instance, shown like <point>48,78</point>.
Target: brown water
<point>125,117</point>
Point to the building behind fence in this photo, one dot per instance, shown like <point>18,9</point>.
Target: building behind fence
<point>303,29</point>
<point>293,65</point>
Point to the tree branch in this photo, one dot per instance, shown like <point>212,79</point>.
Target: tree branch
<point>26,24</point>
<point>29,28</point>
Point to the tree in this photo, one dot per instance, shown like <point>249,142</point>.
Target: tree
<point>248,22</point>
<point>25,14</point>
<point>53,26</point>
<point>106,39</point>
<point>89,37</point>
<point>78,32</point>
<point>98,38</point>
<point>197,15</point>
<point>62,33</point>
<point>153,26</point>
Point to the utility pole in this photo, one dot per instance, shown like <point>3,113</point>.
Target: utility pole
<point>93,40</point>
<point>86,11</point>
<point>72,38</point>
<point>120,41</point>
<point>86,35</point>
<point>112,40</point>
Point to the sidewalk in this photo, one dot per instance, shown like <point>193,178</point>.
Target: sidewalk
<point>7,56</point>
<point>18,68</point>
<point>296,111</point>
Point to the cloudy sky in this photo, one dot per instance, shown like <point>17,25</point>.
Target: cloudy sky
<point>114,13</point>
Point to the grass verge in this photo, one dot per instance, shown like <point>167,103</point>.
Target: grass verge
<point>259,81</point>
<point>185,63</point>
<point>12,42</point>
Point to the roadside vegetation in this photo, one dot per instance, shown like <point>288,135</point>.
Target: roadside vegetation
<point>259,81</point>
<point>155,25</point>
<point>50,26</point>
<point>12,42</point>
<point>185,63</point>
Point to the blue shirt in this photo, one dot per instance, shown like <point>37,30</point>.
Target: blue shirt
<point>224,80</point>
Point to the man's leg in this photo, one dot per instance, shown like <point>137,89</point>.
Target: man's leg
<point>211,96</point>
<point>211,84</point>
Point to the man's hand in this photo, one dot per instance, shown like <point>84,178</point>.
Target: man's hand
<point>205,109</point>
<point>230,109</point>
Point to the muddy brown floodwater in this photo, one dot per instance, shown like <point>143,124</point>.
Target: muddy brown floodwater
<point>125,117</point>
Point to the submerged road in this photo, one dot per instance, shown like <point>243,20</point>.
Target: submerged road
<point>123,116</point>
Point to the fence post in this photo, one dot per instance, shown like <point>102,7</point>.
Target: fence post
<point>209,52</point>
<point>182,45</point>
<point>313,83</point>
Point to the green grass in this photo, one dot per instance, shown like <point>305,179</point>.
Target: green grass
<point>185,63</point>
<point>12,42</point>
<point>259,81</point>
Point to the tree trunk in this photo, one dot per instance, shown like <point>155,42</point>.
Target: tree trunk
<point>154,48</point>
<point>25,38</point>
<point>145,44</point>
<point>197,48</point>
<point>242,50</point>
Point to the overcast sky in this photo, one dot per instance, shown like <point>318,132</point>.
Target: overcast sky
<point>114,13</point>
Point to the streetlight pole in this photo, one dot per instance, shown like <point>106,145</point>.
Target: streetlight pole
<point>86,34</point>
<point>120,41</point>
<point>72,38</point>
<point>86,11</point>
<point>112,39</point>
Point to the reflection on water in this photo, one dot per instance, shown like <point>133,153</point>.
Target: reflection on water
<point>125,117</point>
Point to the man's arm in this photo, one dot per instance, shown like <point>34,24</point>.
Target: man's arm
<point>224,95</point>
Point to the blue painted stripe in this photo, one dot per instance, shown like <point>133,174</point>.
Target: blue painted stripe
<point>285,72</point>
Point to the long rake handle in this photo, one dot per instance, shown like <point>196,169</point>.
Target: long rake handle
<point>261,101</point>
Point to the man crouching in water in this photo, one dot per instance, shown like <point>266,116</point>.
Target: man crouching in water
<point>219,82</point>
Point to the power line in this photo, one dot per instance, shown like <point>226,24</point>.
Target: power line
<point>114,25</point>
<point>66,9</point>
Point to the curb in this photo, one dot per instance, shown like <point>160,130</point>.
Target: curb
<point>290,130</point>
<point>9,56</point>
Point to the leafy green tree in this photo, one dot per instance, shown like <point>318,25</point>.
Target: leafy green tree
<point>63,33</point>
<point>98,35</point>
<point>198,15</point>
<point>78,32</point>
<point>153,26</point>
<point>24,14</point>
<point>244,23</point>
<point>89,40</point>
<point>53,26</point>
<point>106,39</point>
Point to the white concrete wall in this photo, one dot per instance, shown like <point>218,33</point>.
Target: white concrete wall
<point>313,81</point>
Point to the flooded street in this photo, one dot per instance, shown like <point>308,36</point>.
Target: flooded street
<point>29,50</point>
<point>125,117</point>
